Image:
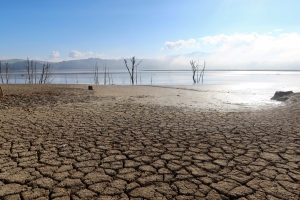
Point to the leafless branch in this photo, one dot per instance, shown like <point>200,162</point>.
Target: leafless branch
<point>133,66</point>
<point>96,74</point>
<point>195,70</point>
<point>46,73</point>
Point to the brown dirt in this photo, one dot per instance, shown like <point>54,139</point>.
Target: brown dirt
<point>66,142</point>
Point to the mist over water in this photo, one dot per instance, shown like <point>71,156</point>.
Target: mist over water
<point>232,88</point>
<point>285,78</point>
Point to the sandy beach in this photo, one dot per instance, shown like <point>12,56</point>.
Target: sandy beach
<point>147,142</point>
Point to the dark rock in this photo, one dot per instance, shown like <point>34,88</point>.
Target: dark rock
<point>90,87</point>
<point>1,93</point>
<point>281,96</point>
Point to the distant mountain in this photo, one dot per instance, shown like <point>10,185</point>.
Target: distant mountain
<point>18,64</point>
<point>11,61</point>
<point>198,54</point>
<point>171,62</point>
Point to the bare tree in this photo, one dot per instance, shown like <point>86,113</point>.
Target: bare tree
<point>1,74</point>
<point>27,68</point>
<point>42,74</point>
<point>195,70</point>
<point>107,76</point>
<point>7,72</point>
<point>35,77</point>
<point>96,74</point>
<point>46,73</point>
<point>30,67</point>
<point>31,73</point>
<point>110,78</point>
<point>152,77</point>
<point>133,66</point>
<point>202,72</point>
<point>66,81</point>
<point>104,70</point>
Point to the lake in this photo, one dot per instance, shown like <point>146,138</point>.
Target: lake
<point>170,77</point>
<point>238,87</point>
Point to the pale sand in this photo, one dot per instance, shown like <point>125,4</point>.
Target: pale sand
<point>145,142</point>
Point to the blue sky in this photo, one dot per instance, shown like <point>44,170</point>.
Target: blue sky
<point>229,29</point>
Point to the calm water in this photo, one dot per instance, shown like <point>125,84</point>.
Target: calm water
<point>287,78</point>
<point>240,88</point>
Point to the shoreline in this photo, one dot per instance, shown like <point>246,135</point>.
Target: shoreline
<point>227,98</point>
<point>145,142</point>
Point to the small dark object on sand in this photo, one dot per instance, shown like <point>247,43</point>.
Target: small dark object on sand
<point>281,96</point>
<point>90,87</point>
<point>1,93</point>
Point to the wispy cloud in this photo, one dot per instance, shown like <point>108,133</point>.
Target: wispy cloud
<point>231,40</point>
<point>89,54</point>
<point>245,51</point>
<point>76,54</point>
<point>255,47</point>
<point>181,44</point>
<point>99,55</point>
<point>255,50</point>
<point>54,54</point>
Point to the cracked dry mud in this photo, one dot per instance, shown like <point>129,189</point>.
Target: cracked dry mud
<point>59,142</point>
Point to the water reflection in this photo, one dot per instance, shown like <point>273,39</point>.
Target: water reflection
<point>246,79</point>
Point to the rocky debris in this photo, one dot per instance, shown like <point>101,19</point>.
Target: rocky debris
<point>281,95</point>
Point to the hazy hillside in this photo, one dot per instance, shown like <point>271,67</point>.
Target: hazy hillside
<point>172,62</point>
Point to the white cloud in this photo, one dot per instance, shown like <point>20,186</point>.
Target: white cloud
<point>88,54</point>
<point>99,55</point>
<point>54,54</point>
<point>181,44</point>
<point>84,55</point>
<point>230,39</point>
<point>76,54</point>
<point>261,49</point>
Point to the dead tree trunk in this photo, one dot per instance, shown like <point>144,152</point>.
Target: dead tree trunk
<point>27,68</point>
<point>96,74</point>
<point>45,73</point>
<point>194,69</point>
<point>202,72</point>
<point>2,81</point>
<point>42,74</point>
<point>133,66</point>
<point>31,71</point>
<point>7,73</point>
<point>104,69</point>
<point>35,73</point>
